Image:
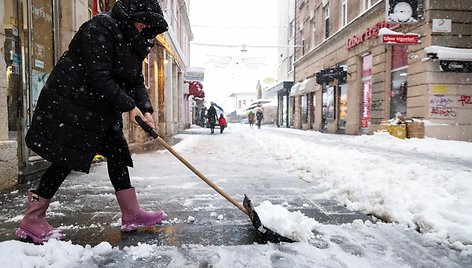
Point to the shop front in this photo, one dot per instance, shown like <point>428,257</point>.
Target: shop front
<point>282,91</point>
<point>306,95</point>
<point>333,99</point>
<point>294,106</point>
<point>32,46</point>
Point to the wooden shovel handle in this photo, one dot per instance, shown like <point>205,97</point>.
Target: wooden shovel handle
<point>151,132</point>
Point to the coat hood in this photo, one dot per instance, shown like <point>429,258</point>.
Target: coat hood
<point>145,11</point>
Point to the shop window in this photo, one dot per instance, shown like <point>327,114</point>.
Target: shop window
<point>291,112</point>
<point>331,105</point>
<point>398,93</point>
<point>399,57</point>
<point>324,108</point>
<point>366,66</point>
<point>342,110</point>
<point>398,90</point>
<point>12,61</point>
<point>283,110</point>
<point>304,108</point>
<point>312,109</point>
<point>42,45</point>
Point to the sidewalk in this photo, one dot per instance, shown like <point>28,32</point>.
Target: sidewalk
<point>86,208</point>
<point>284,166</point>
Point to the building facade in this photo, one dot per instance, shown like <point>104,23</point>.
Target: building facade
<point>34,34</point>
<point>348,81</point>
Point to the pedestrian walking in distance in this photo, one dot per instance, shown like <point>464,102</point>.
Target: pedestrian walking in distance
<point>79,111</point>
<point>212,118</point>
<point>222,123</point>
<point>251,118</point>
<point>259,117</point>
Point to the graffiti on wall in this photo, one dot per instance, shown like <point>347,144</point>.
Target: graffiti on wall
<point>465,100</point>
<point>441,105</point>
<point>440,89</point>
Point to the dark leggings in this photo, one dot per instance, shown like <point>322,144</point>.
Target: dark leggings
<point>55,176</point>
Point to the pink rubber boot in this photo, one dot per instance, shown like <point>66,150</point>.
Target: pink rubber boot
<point>34,224</point>
<point>132,216</point>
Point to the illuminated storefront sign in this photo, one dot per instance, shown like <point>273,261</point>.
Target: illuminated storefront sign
<point>369,33</point>
<point>400,39</point>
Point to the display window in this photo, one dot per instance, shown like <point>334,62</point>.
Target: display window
<point>399,76</point>
<point>342,110</point>
<point>42,46</point>
<point>11,56</point>
<point>304,108</point>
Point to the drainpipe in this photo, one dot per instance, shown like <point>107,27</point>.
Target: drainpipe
<point>294,60</point>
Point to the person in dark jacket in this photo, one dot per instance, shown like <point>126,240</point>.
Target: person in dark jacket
<point>79,111</point>
<point>259,117</point>
<point>212,118</point>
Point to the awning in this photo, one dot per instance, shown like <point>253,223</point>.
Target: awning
<point>281,88</point>
<point>294,90</point>
<point>262,102</point>
<point>449,53</point>
<point>308,85</point>
<point>327,75</point>
<point>458,60</point>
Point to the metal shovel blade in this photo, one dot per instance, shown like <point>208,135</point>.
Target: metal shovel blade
<point>261,229</point>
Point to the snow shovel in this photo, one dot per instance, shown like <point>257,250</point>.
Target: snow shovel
<point>247,206</point>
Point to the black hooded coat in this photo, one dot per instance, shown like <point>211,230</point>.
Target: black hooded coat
<point>79,110</point>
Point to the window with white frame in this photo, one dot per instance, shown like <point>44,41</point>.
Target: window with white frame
<point>313,32</point>
<point>291,29</point>
<point>290,63</point>
<point>326,20</point>
<point>367,4</point>
<point>344,12</point>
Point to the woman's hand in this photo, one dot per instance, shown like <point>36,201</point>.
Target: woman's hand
<point>150,120</point>
<point>147,117</point>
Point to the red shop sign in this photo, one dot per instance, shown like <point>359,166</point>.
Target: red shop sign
<point>369,33</point>
<point>400,39</point>
<point>366,100</point>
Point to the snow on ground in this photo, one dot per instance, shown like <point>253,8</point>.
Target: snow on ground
<point>416,184</point>
<point>422,183</point>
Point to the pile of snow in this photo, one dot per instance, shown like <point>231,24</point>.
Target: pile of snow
<point>293,225</point>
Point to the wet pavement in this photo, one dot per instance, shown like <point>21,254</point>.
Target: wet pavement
<point>203,229</point>
<point>86,209</point>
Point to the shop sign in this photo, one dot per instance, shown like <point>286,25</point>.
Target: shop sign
<point>327,75</point>
<point>400,39</point>
<point>401,11</point>
<point>442,25</point>
<point>456,66</point>
<point>194,77</point>
<point>369,33</point>
<point>366,100</point>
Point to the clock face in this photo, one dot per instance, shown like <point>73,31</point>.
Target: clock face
<point>402,11</point>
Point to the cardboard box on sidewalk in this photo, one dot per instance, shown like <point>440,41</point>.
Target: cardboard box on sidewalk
<point>415,129</point>
<point>398,131</point>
